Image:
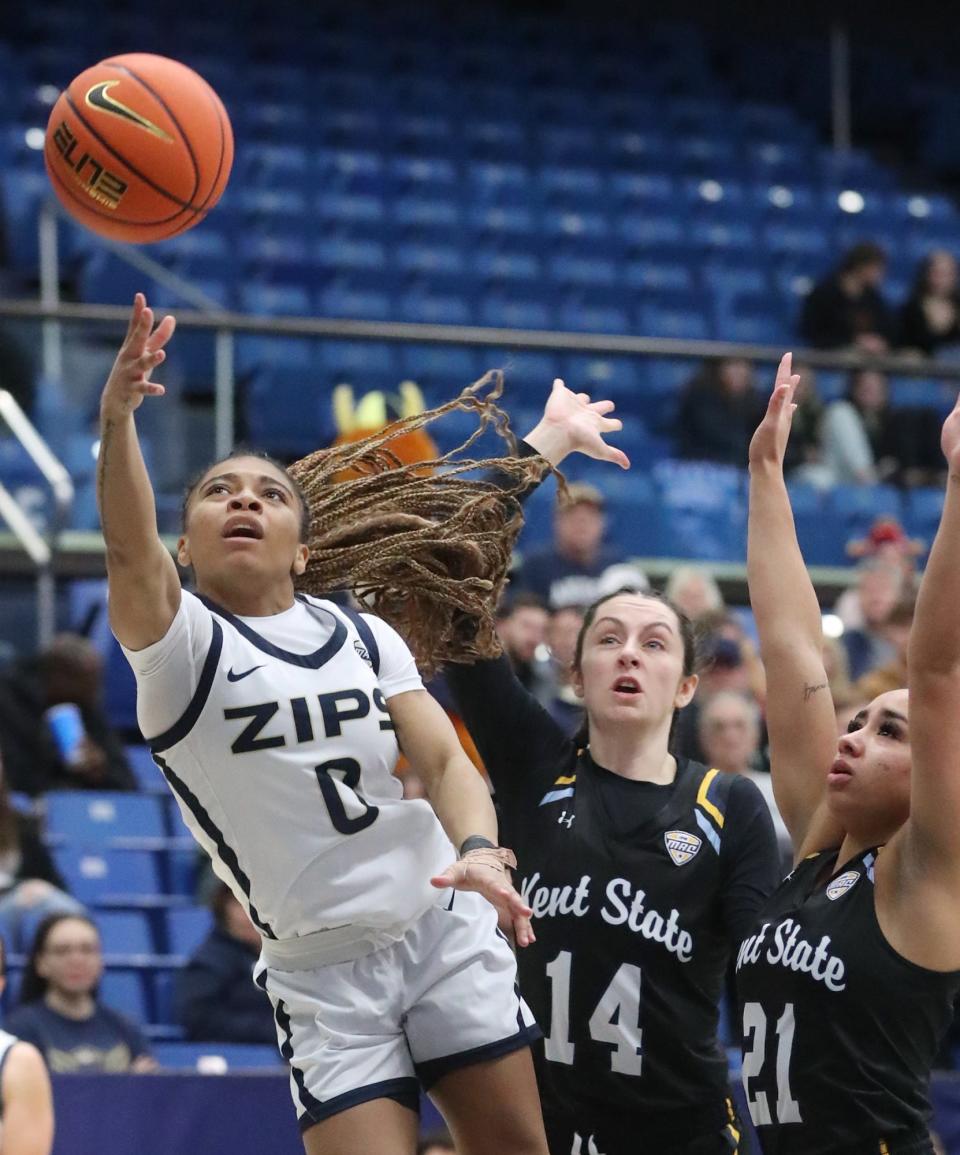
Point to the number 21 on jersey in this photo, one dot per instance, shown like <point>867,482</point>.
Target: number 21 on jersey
<point>754,1060</point>
<point>616,1019</point>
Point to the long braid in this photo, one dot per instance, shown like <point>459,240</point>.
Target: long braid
<point>426,546</point>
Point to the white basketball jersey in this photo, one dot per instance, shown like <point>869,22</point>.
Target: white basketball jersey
<point>282,765</point>
<point>6,1042</point>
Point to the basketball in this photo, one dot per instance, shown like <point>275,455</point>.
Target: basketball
<point>138,148</point>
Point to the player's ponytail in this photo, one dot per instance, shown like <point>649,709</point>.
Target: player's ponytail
<point>426,546</point>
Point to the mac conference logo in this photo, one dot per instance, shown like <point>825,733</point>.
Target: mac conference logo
<point>681,846</point>
<point>841,885</point>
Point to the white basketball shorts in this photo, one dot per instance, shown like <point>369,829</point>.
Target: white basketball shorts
<point>384,1025</point>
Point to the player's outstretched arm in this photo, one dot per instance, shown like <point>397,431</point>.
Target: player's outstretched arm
<point>933,663</point>
<point>462,802</point>
<point>144,587</point>
<point>572,423</point>
<point>800,714</point>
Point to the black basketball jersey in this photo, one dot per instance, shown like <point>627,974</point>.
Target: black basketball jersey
<point>839,1030</point>
<point>632,934</point>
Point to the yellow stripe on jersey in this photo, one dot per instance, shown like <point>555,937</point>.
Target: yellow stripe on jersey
<point>884,1149</point>
<point>565,780</point>
<point>704,801</point>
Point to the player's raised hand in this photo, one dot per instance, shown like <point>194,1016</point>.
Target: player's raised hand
<point>572,423</point>
<point>487,871</point>
<point>769,443</point>
<point>141,352</point>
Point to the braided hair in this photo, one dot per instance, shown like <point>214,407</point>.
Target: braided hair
<point>425,546</point>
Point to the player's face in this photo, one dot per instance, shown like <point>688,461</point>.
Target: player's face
<point>71,961</point>
<point>243,518</point>
<point>868,785</point>
<point>631,668</point>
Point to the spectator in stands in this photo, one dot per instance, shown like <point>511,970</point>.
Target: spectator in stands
<point>26,1102</point>
<point>215,1000</point>
<point>858,443</point>
<point>718,412</point>
<point>522,630</point>
<point>930,317</point>
<point>879,590</point>
<point>730,735</point>
<point>694,591</point>
<point>846,308</point>
<point>563,704</point>
<point>59,1010</point>
<point>30,884</point>
<point>892,674</point>
<point>68,671</point>
<point>886,543</point>
<point>803,451</point>
<point>565,572</point>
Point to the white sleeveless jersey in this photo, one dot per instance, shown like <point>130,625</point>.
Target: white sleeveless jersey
<point>6,1042</point>
<point>282,765</point>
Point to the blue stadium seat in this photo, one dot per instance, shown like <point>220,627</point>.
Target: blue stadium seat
<point>855,507</point>
<point>110,877</point>
<point>435,308</point>
<point>674,318</point>
<point>528,374</point>
<point>101,818</point>
<point>290,413</point>
<point>426,214</point>
<point>573,225</point>
<point>149,777</point>
<point>350,209</point>
<point>722,234</point>
<point>417,172</point>
<point>498,266</point>
<point>213,1058</point>
<point>451,366</point>
<point>423,257</point>
<point>582,271</point>
<point>804,240</point>
<point>636,189</point>
<point>585,312</point>
<point>921,512</point>
<point>651,230</point>
<point>275,300</point>
<point>186,929</point>
<point>515,312</point>
<point>616,378</point>
<point>342,254</point>
<point>125,932</point>
<point>501,221</point>
<point>650,273</point>
<point>499,183</point>
<point>346,298</point>
<point>572,185</point>
<point>126,991</point>
<point>360,363</point>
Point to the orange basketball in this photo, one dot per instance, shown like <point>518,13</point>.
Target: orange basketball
<point>139,148</point>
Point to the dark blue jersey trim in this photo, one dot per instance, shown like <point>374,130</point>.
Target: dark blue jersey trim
<point>225,852</point>
<point>405,1091</point>
<point>187,720</point>
<point>3,1067</point>
<point>307,661</point>
<point>366,636</point>
<point>433,1070</point>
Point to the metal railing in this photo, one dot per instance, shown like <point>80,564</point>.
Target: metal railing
<point>41,550</point>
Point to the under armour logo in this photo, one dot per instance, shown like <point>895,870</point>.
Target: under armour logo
<point>579,1149</point>
<point>565,820</point>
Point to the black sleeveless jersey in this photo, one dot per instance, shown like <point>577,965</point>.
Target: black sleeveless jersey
<point>633,934</point>
<point>839,1030</point>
